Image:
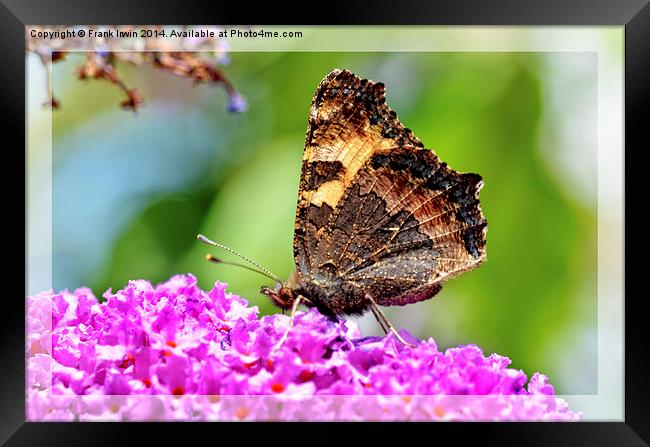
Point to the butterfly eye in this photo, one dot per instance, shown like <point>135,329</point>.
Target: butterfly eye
<point>282,296</point>
<point>267,291</point>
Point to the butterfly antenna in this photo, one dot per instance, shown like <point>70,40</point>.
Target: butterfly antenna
<point>221,261</point>
<point>211,258</point>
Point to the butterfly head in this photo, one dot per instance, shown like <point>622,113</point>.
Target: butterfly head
<point>284,293</point>
<point>281,295</point>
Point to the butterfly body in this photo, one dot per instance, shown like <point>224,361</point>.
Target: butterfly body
<point>379,217</point>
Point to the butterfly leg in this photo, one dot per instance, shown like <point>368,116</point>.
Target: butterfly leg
<point>292,315</point>
<point>384,323</point>
<point>379,320</point>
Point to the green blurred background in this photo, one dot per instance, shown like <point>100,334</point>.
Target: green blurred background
<point>131,191</point>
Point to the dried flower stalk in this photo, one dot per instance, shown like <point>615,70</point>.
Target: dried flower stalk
<point>198,59</point>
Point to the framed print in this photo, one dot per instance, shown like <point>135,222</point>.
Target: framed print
<point>353,222</point>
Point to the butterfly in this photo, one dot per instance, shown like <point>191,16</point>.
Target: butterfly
<point>380,219</point>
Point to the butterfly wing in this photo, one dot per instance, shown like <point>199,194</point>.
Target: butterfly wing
<point>377,213</point>
<point>348,121</point>
<point>407,223</point>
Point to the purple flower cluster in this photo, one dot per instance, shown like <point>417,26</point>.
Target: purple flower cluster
<point>175,351</point>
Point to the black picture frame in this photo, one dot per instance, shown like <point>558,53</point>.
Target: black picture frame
<point>633,14</point>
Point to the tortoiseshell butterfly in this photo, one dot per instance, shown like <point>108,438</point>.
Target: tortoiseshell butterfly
<point>381,220</point>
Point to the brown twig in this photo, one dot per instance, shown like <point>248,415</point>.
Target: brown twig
<point>103,54</point>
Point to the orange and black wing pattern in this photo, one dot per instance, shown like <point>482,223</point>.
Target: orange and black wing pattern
<point>378,213</point>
